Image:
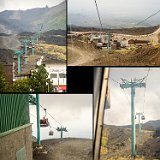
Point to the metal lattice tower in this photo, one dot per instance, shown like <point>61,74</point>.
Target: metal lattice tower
<point>133,84</point>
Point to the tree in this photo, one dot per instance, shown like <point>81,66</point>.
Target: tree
<point>38,80</point>
<point>4,87</point>
<point>21,85</point>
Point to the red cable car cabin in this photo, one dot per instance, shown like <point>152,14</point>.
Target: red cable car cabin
<point>44,122</point>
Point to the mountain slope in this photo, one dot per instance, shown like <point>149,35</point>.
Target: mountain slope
<point>12,21</point>
<point>118,142</point>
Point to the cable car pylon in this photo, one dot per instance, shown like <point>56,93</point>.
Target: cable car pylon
<point>133,84</point>
<point>61,130</point>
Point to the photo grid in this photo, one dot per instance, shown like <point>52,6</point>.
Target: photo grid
<point>79,80</point>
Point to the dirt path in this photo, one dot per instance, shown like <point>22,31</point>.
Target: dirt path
<point>85,55</point>
<point>67,149</point>
<point>80,53</point>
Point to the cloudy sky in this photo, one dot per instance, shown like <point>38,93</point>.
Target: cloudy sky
<point>114,6</point>
<point>23,5</point>
<point>119,114</point>
<point>72,111</point>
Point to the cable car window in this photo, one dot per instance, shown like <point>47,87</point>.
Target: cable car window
<point>62,75</point>
<point>53,75</point>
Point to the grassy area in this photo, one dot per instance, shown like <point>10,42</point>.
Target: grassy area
<point>60,51</point>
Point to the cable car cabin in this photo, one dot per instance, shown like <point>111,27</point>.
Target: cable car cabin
<point>50,133</point>
<point>44,122</point>
<point>15,57</point>
<point>143,117</point>
<point>25,56</point>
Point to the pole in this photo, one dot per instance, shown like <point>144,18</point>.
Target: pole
<point>19,64</point>
<point>100,113</point>
<point>38,120</point>
<point>61,133</point>
<point>25,50</point>
<point>132,121</point>
<point>32,50</point>
<point>137,83</point>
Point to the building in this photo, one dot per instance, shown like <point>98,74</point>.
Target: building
<point>15,127</point>
<point>57,76</point>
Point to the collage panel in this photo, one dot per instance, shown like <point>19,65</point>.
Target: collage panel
<point>126,113</point>
<point>33,46</point>
<point>46,127</point>
<point>111,33</point>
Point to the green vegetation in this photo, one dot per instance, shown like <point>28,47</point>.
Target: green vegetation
<point>36,83</point>
<point>38,80</point>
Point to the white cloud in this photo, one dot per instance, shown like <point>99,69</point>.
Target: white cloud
<point>72,111</point>
<point>119,114</point>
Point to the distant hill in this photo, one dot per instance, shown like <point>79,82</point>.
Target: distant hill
<point>150,125</point>
<point>110,20</point>
<point>16,21</point>
<point>131,31</point>
<point>118,141</point>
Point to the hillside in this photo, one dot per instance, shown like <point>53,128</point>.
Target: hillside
<point>16,21</point>
<point>66,149</point>
<point>130,31</point>
<point>118,142</point>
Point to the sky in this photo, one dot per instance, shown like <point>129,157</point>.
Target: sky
<point>113,13</point>
<point>23,5</point>
<point>72,111</point>
<point>114,6</point>
<point>120,111</point>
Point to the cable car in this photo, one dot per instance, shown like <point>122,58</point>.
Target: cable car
<point>143,117</point>
<point>51,133</point>
<point>14,57</point>
<point>44,122</point>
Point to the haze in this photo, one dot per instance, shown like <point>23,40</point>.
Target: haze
<point>113,12</point>
<point>23,5</point>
